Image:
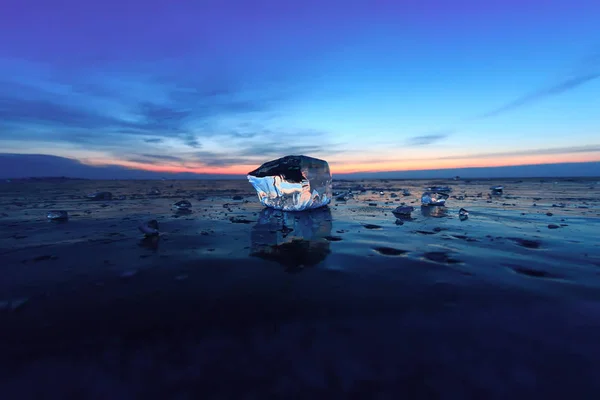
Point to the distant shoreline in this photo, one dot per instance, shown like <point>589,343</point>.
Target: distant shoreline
<point>59,179</point>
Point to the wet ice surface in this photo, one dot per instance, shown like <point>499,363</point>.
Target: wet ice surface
<point>232,299</point>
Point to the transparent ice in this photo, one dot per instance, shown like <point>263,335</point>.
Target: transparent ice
<point>293,183</point>
<point>403,211</point>
<point>57,215</point>
<point>434,199</point>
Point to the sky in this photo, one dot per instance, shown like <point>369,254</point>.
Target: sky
<point>221,86</point>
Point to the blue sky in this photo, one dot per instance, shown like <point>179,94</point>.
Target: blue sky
<point>222,86</point>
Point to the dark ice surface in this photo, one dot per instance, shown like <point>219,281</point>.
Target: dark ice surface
<point>296,306</point>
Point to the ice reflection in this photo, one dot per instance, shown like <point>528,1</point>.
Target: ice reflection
<point>149,242</point>
<point>434,212</point>
<point>293,239</point>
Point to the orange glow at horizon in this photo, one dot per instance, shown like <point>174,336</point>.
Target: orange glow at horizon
<point>380,166</point>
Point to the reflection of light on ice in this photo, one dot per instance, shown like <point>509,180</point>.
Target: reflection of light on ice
<point>293,183</point>
<point>292,238</point>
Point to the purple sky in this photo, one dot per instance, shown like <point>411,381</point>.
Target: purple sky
<point>221,86</point>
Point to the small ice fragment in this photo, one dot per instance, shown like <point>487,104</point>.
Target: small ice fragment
<point>434,199</point>
<point>182,205</point>
<point>405,193</point>
<point>100,196</point>
<point>463,214</point>
<point>497,189</point>
<point>293,183</point>
<point>154,192</point>
<point>381,193</point>
<point>149,228</point>
<point>439,189</point>
<point>403,211</point>
<point>57,215</point>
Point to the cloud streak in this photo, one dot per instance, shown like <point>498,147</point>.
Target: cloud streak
<point>425,140</point>
<point>588,71</point>
<point>551,151</point>
<point>559,88</point>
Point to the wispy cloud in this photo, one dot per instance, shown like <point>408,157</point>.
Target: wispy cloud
<point>587,71</point>
<point>428,139</point>
<point>556,89</point>
<point>550,151</point>
<point>109,111</point>
<point>154,140</point>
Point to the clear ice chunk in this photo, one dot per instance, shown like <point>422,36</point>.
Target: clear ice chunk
<point>100,196</point>
<point>497,189</point>
<point>439,189</point>
<point>57,215</point>
<point>434,199</point>
<point>182,205</point>
<point>403,211</point>
<point>463,214</point>
<point>293,183</point>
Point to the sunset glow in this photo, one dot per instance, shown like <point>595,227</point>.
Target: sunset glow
<point>386,87</point>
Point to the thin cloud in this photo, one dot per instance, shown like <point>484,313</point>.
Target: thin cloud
<point>551,151</point>
<point>559,88</point>
<point>180,110</point>
<point>588,70</point>
<point>162,157</point>
<point>425,140</point>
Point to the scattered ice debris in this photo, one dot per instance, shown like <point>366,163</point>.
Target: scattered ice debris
<point>403,211</point>
<point>341,197</point>
<point>434,198</point>
<point>182,205</point>
<point>154,192</point>
<point>439,189</point>
<point>497,189</point>
<point>57,215</point>
<point>463,214</point>
<point>149,228</point>
<point>240,220</point>
<point>293,183</point>
<point>100,196</point>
